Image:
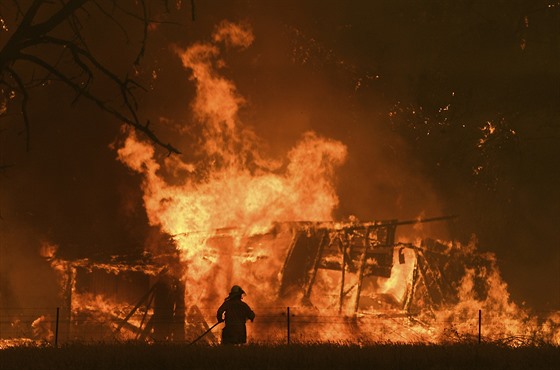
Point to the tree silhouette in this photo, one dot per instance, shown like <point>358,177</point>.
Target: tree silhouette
<point>43,42</point>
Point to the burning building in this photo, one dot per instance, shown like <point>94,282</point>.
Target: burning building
<point>349,281</point>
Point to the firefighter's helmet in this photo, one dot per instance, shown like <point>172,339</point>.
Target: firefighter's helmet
<point>236,290</point>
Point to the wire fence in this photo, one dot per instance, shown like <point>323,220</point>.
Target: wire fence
<point>51,326</point>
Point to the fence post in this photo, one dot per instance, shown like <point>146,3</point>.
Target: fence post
<point>56,328</point>
<point>479,326</point>
<point>288,323</point>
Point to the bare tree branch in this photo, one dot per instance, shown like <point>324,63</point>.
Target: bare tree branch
<point>24,102</point>
<point>84,66</point>
<point>113,20</point>
<point>192,10</point>
<point>145,36</point>
<point>101,104</point>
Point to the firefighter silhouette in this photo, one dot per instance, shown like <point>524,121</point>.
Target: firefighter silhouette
<point>235,313</point>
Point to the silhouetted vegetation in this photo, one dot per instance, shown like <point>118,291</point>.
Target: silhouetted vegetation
<point>313,356</point>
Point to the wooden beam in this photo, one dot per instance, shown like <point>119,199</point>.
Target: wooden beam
<point>363,261</point>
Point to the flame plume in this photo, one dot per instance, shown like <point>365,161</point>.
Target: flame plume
<point>233,184</point>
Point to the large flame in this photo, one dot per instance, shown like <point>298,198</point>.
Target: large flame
<point>233,184</point>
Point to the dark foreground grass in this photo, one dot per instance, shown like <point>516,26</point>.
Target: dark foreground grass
<point>317,356</point>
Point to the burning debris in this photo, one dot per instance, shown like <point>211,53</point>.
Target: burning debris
<point>362,252</point>
<point>350,282</point>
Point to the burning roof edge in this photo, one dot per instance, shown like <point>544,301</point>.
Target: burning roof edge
<point>115,264</point>
<point>321,225</point>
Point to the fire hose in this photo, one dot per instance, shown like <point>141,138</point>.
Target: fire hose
<point>203,334</point>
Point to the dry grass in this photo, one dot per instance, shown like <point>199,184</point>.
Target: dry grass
<point>316,356</point>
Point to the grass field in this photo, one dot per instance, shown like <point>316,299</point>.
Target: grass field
<point>318,356</point>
